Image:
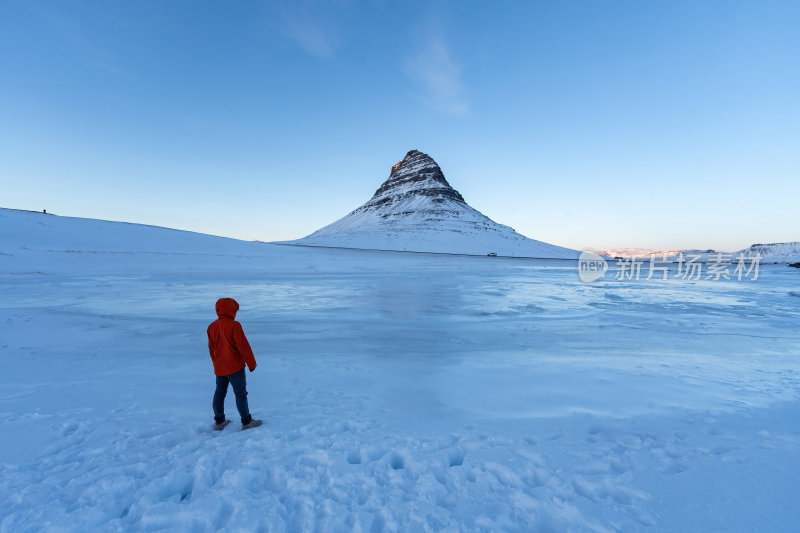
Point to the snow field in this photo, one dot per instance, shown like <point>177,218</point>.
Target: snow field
<point>400,392</point>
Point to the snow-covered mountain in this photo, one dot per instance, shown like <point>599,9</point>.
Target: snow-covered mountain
<point>416,209</point>
<point>629,253</point>
<point>777,252</point>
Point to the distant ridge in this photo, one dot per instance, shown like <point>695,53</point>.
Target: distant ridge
<point>778,252</point>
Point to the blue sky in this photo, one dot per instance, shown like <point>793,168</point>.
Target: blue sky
<point>584,124</point>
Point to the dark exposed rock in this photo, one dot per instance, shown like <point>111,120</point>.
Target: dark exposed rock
<point>406,175</point>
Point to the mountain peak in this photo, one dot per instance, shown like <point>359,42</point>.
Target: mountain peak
<point>416,174</point>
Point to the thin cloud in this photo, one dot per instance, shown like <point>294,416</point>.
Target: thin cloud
<point>434,71</point>
<point>303,24</point>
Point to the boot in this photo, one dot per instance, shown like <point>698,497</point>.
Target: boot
<point>253,424</point>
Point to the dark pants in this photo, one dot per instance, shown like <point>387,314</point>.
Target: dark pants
<point>239,383</point>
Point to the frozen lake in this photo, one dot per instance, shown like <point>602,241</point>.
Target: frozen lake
<point>400,392</point>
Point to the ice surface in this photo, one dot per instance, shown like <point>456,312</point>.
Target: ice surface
<point>400,392</point>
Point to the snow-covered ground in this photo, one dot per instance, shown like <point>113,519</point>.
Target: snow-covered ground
<point>400,392</point>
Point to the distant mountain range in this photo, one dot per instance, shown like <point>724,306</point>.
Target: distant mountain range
<point>778,252</point>
<point>416,209</point>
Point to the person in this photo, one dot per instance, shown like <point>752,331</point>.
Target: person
<point>230,353</point>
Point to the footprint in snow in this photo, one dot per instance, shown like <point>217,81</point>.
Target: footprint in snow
<point>456,458</point>
<point>354,458</point>
<point>397,462</point>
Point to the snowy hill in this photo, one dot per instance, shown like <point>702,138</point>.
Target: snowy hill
<point>778,252</point>
<point>47,232</point>
<point>37,243</point>
<point>629,253</point>
<point>416,209</point>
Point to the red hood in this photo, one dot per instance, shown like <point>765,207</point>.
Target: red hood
<point>227,307</point>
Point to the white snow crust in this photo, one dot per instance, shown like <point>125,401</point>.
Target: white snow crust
<point>399,392</point>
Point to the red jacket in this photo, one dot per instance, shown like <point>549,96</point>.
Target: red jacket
<point>227,344</point>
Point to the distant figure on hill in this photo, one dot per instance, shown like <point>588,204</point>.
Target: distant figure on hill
<point>44,211</point>
<point>230,352</point>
